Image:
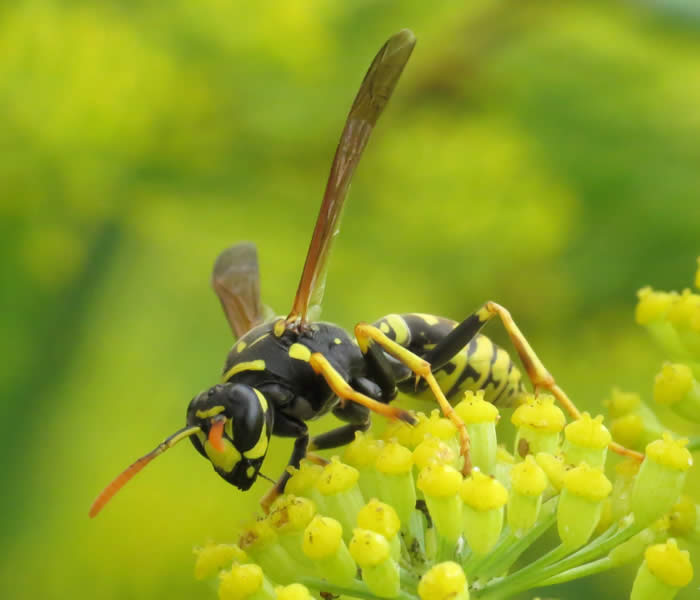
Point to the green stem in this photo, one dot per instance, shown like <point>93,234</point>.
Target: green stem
<point>591,568</point>
<point>409,580</point>
<point>694,443</point>
<point>543,569</point>
<point>511,547</point>
<point>356,589</point>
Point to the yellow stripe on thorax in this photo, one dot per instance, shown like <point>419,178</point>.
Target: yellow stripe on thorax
<point>253,365</point>
<point>299,352</point>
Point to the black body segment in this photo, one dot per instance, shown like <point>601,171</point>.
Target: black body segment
<point>461,358</point>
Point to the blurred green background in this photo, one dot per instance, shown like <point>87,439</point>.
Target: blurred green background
<point>541,154</point>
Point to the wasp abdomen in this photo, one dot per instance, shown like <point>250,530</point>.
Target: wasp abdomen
<point>479,365</point>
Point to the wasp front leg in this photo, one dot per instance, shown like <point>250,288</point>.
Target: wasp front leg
<point>285,426</point>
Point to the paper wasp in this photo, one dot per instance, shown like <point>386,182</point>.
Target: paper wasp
<point>289,370</point>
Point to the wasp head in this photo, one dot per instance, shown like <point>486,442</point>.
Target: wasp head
<point>236,424</point>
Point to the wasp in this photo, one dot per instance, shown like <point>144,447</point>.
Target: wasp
<point>282,373</point>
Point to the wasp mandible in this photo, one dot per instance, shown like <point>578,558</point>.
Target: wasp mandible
<point>289,370</point>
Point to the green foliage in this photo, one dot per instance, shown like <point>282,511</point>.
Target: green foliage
<point>542,156</point>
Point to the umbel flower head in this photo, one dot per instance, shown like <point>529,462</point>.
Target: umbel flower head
<point>395,518</point>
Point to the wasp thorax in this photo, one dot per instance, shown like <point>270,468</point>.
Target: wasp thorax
<point>235,429</point>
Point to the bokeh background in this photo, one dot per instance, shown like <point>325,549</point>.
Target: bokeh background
<point>541,154</point>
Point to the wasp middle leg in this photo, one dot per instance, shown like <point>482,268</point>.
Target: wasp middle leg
<point>368,335</point>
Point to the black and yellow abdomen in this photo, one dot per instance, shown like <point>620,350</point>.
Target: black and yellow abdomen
<point>480,365</point>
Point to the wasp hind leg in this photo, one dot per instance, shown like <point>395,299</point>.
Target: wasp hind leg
<point>540,377</point>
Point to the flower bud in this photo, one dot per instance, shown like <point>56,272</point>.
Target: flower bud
<point>362,453</point>
<point>664,571</point>
<point>213,557</point>
<point>684,518</point>
<point>432,449</point>
<point>581,504</point>
<point>434,425</point>
<point>483,498</point>
<point>444,581</point>
<point>440,485</point>
<point>528,481</point>
<point>660,479</point>
<point>652,312</point>
<point>289,516</point>
<point>382,518</point>
<point>504,464</point>
<point>245,582</point>
<point>303,480</point>
<point>676,387</point>
<point>402,432</point>
<point>623,484</point>
<point>395,479</point>
<point>539,424</point>
<point>323,543</point>
<point>633,423</point>
<point>261,542</point>
<point>554,468</point>
<point>380,571</point>
<point>480,417</point>
<point>684,315</point>
<point>340,495</point>
<point>295,591</point>
<point>586,440</point>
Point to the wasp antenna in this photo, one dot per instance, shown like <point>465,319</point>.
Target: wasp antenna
<point>120,480</point>
<point>266,477</point>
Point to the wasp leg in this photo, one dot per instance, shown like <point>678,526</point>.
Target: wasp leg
<point>541,378</point>
<point>286,427</point>
<point>367,335</point>
<point>357,417</point>
<point>345,391</point>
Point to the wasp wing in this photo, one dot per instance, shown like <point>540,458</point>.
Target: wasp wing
<point>236,281</point>
<point>374,93</point>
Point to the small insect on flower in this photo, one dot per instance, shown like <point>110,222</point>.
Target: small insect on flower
<point>286,371</point>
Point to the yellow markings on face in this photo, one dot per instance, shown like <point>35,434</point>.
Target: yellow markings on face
<point>279,328</point>
<point>299,352</point>
<point>261,399</point>
<point>401,331</point>
<point>253,365</point>
<point>224,461</point>
<point>258,339</point>
<point>337,341</point>
<point>228,428</point>
<point>250,471</point>
<point>212,412</point>
<point>240,346</point>
<point>429,319</point>
<point>260,447</point>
